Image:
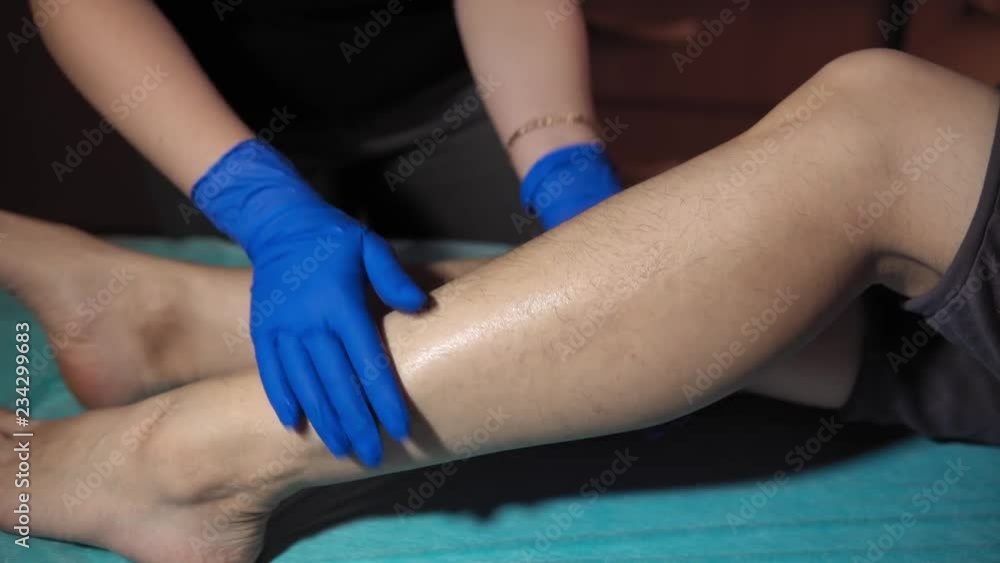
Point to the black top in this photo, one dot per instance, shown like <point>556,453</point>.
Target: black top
<point>330,62</point>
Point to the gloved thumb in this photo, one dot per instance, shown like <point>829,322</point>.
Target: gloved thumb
<point>392,284</point>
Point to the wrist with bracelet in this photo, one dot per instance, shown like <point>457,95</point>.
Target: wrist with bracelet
<point>549,120</point>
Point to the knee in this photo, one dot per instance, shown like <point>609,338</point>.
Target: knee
<point>862,99</point>
<point>869,70</point>
<point>875,81</point>
<point>846,109</point>
<point>857,89</point>
<point>847,120</point>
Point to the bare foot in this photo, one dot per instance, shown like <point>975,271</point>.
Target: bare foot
<point>122,325</point>
<point>126,480</point>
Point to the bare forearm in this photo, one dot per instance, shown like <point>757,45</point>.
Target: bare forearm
<point>131,65</point>
<point>542,67</point>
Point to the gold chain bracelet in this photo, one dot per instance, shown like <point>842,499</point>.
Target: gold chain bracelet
<point>549,121</point>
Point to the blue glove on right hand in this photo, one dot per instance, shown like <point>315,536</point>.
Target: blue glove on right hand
<point>315,342</point>
<point>567,182</point>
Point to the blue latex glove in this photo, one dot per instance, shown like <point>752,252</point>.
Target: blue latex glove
<point>316,345</point>
<point>567,182</point>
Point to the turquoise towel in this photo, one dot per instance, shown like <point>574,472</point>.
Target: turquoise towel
<point>701,490</point>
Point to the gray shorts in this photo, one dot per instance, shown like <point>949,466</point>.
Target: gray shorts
<point>933,363</point>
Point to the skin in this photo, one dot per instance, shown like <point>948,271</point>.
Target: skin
<point>684,269</point>
<point>542,69</point>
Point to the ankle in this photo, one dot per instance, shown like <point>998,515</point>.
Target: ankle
<point>162,317</point>
<point>201,447</point>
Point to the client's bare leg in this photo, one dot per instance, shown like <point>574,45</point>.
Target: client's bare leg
<point>671,274</point>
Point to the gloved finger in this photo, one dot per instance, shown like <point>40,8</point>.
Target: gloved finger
<point>272,376</point>
<point>337,376</point>
<point>392,284</point>
<point>374,370</point>
<point>310,393</point>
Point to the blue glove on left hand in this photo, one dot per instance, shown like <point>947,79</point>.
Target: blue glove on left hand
<point>316,345</point>
<point>567,182</point>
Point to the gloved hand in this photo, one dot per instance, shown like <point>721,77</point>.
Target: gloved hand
<point>316,345</point>
<point>568,181</point>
